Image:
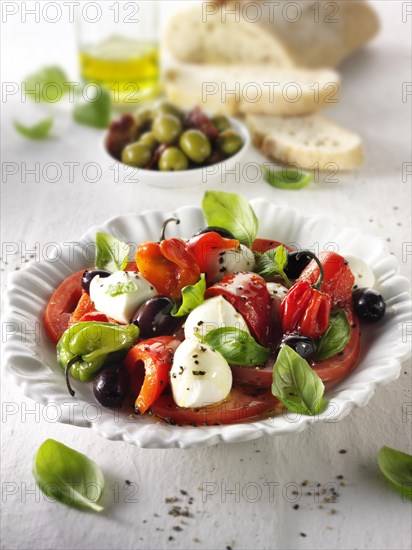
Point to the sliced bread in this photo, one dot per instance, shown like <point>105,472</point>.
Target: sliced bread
<point>245,89</point>
<point>283,33</point>
<point>311,142</point>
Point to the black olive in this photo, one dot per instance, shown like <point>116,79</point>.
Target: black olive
<point>222,232</point>
<point>297,261</point>
<point>369,305</point>
<point>303,345</point>
<point>88,275</point>
<point>154,319</point>
<point>111,385</point>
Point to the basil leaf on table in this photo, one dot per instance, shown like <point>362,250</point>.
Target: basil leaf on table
<point>111,253</point>
<point>38,131</point>
<point>95,112</point>
<point>396,466</point>
<point>231,212</point>
<point>68,476</point>
<point>49,85</point>
<point>288,178</point>
<point>237,346</point>
<point>192,296</point>
<point>273,262</point>
<point>295,384</point>
<point>336,337</point>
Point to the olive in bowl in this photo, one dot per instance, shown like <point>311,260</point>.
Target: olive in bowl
<point>165,139</point>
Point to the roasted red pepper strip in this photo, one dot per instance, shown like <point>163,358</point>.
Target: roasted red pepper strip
<point>338,278</point>
<point>156,356</point>
<point>168,266</point>
<point>305,308</point>
<point>206,249</point>
<point>248,294</point>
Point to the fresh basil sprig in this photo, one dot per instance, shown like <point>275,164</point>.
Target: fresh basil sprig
<point>273,262</point>
<point>231,212</point>
<point>192,296</point>
<point>336,337</point>
<point>295,384</point>
<point>111,253</point>
<point>396,466</point>
<point>95,112</point>
<point>38,131</point>
<point>237,346</point>
<point>288,178</point>
<point>48,85</point>
<point>68,476</point>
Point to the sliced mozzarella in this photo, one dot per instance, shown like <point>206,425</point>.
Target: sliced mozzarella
<point>213,313</point>
<point>277,290</point>
<point>120,295</point>
<point>234,260</point>
<point>199,375</point>
<point>364,276</point>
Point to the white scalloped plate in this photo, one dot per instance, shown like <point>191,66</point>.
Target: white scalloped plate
<point>30,361</point>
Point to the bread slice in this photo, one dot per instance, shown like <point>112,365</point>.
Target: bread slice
<point>311,142</point>
<point>258,89</point>
<point>301,33</point>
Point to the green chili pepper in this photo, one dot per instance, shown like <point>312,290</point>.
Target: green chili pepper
<point>84,347</point>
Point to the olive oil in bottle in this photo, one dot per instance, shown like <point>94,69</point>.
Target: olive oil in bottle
<point>128,68</point>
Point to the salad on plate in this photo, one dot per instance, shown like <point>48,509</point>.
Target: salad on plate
<point>222,327</point>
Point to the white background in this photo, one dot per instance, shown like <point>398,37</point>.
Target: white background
<point>376,199</point>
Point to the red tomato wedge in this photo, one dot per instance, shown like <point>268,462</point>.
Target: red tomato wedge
<point>242,404</point>
<point>248,294</point>
<point>61,305</point>
<point>156,356</point>
<point>263,245</point>
<point>330,369</point>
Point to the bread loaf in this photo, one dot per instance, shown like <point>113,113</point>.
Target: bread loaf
<point>284,33</point>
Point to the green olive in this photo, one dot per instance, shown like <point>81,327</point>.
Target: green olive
<point>143,117</point>
<point>229,142</point>
<point>136,154</point>
<point>166,128</point>
<point>149,140</point>
<point>165,108</point>
<point>173,160</point>
<point>195,145</point>
<point>221,122</point>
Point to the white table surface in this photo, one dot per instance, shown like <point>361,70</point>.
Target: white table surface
<point>368,514</point>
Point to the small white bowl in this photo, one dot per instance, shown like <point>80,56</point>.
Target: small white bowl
<point>213,175</point>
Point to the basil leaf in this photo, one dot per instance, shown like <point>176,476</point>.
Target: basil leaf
<point>111,253</point>
<point>273,262</point>
<point>96,112</point>
<point>121,288</point>
<point>295,384</point>
<point>396,466</point>
<point>231,212</point>
<point>335,338</point>
<point>68,476</point>
<point>38,131</point>
<point>49,84</point>
<point>192,296</point>
<point>237,346</point>
<point>288,178</point>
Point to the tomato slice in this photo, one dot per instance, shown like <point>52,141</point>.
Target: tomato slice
<point>263,245</point>
<point>61,305</point>
<point>243,403</point>
<point>248,294</point>
<point>333,368</point>
<point>156,356</point>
